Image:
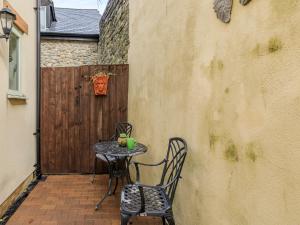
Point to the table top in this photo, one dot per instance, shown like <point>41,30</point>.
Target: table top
<point>112,148</point>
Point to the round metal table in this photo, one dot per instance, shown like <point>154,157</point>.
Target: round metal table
<point>115,155</point>
<point>112,149</point>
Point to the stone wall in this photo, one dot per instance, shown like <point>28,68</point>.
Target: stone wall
<point>60,53</point>
<point>114,33</point>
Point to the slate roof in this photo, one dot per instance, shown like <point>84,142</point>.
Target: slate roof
<point>74,23</point>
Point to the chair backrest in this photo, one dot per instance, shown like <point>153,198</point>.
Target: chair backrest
<point>175,158</point>
<point>123,128</point>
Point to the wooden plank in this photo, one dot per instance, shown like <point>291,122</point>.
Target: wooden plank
<point>51,123</point>
<point>44,119</point>
<point>85,114</point>
<point>105,110</point>
<point>71,121</point>
<point>124,80</point>
<point>65,77</point>
<point>101,166</point>
<point>58,121</point>
<point>112,102</point>
<point>77,121</point>
<point>93,122</point>
<point>19,22</point>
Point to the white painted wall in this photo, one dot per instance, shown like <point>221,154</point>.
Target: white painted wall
<point>17,121</point>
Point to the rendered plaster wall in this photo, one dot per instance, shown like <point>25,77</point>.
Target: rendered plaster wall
<point>114,37</point>
<point>233,92</point>
<point>17,118</point>
<point>61,53</point>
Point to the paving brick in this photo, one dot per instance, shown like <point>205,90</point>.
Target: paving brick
<point>71,200</point>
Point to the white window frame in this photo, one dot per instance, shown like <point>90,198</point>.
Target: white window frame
<point>17,93</point>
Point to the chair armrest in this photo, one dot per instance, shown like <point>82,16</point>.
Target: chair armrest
<point>159,186</point>
<point>136,164</point>
<point>148,164</point>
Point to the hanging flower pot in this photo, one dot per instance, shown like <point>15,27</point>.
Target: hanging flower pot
<point>100,83</point>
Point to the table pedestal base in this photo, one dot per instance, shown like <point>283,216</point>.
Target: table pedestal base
<point>116,172</point>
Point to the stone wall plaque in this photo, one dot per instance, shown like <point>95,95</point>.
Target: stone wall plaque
<point>223,9</point>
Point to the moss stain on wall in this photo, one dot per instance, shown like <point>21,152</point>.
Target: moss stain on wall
<point>274,45</point>
<point>215,66</point>
<point>231,152</point>
<point>253,151</point>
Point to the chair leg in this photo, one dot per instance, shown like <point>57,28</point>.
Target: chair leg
<point>170,220</point>
<point>108,193</point>
<point>124,219</point>
<point>122,180</point>
<point>95,169</point>
<point>116,185</point>
<point>110,185</point>
<point>163,220</point>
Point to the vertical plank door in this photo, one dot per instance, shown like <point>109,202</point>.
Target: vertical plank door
<point>73,119</point>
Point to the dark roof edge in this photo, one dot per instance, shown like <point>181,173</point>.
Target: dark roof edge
<point>65,35</point>
<point>76,9</point>
<point>70,39</point>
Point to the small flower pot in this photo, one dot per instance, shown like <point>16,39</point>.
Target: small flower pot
<point>122,140</point>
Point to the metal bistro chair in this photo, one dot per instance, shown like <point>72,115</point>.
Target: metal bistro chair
<point>143,200</point>
<point>120,128</point>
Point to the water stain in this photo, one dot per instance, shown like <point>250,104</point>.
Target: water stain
<point>227,90</point>
<point>231,152</point>
<point>213,139</point>
<point>220,65</point>
<point>274,45</point>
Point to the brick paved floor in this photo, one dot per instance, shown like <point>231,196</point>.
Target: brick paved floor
<point>70,200</point>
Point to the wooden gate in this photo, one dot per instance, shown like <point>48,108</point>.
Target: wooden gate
<point>73,118</point>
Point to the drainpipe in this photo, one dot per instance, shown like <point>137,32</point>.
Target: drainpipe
<point>38,94</point>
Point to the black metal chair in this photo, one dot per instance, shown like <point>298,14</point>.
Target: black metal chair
<point>115,170</point>
<point>143,200</point>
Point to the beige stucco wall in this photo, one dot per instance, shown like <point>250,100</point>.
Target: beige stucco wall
<point>233,92</point>
<point>17,120</point>
<point>61,53</point>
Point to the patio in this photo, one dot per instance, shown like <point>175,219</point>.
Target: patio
<point>70,200</point>
<point>210,89</point>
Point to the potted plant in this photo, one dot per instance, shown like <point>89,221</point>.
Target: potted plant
<point>122,140</point>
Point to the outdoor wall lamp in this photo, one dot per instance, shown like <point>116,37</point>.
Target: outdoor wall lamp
<point>7,18</point>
